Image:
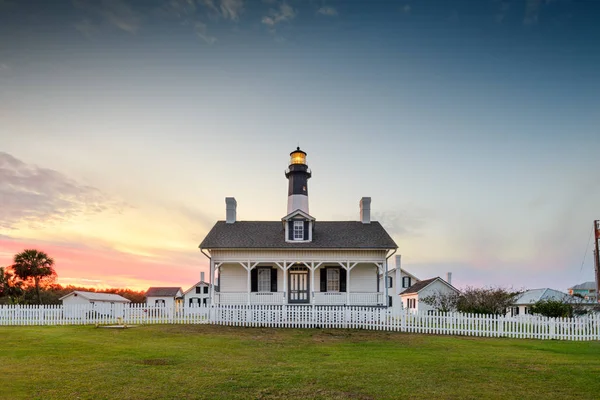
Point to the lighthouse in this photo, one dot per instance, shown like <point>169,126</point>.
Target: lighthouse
<point>298,175</point>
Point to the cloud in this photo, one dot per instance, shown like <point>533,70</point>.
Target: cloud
<point>232,9</point>
<point>533,9</point>
<point>35,195</point>
<point>86,28</point>
<point>227,9</point>
<point>202,32</point>
<point>96,265</point>
<point>327,10</point>
<point>276,16</point>
<point>408,222</point>
<point>503,9</point>
<point>117,13</point>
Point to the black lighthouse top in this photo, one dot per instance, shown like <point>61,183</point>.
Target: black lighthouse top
<point>298,171</point>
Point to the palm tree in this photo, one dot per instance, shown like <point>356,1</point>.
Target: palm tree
<point>33,265</point>
<point>9,286</point>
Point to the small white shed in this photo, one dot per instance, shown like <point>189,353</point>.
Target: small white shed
<point>410,297</point>
<point>81,297</point>
<point>164,296</point>
<point>79,303</point>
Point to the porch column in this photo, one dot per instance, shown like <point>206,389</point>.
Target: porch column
<point>348,283</point>
<point>249,284</point>
<point>211,281</point>
<point>312,283</point>
<point>284,269</point>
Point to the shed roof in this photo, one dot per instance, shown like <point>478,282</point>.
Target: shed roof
<point>270,235</point>
<point>417,287</point>
<point>95,296</point>
<point>585,286</point>
<point>163,291</point>
<point>534,295</point>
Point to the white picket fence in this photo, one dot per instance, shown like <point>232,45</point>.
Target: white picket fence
<point>284,316</point>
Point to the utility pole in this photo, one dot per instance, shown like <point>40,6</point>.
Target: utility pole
<point>597,259</point>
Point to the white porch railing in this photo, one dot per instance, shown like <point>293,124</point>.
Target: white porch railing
<point>353,299</point>
<point>322,299</point>
<point>368,299</point>
<point>267,298</point>
<point>254,298</point>
<point>330,298</point>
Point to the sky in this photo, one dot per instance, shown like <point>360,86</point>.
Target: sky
<point>472,125</point>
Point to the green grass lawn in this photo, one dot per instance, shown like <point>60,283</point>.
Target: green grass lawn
<point>215,362</point>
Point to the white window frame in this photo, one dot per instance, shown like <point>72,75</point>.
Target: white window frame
<point>298,227</point>
<point>333,279</point>
<point>264,279</point>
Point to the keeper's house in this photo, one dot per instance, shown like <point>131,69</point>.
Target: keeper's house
<point>298,260</point>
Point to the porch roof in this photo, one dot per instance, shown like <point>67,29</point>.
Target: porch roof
<point>270,235</point>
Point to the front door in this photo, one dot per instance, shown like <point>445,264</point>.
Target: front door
<point>298,277</point>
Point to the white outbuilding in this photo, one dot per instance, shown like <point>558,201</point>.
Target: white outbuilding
<point>411,297</point>
<point>81,297</point>
<point>164,296</point>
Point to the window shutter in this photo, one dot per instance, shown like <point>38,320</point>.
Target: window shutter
<point>323,279</point>
<point>273,279</point>
<point>306,230</point>
<point>342,280</point>
<point>254,280</point>
<point>390,301</point>
<point>290,230</point>
<point>389,283</point>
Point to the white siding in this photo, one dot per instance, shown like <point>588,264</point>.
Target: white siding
<point>71,300</point>
<point>403,287</point>
<point>299,255</point>
<point>198,297</point>
<point>433,288</point>
<point>234,278</point>
<point>169,301</point>
<point>363,278</point>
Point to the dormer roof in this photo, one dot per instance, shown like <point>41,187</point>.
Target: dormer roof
<point>298,213</point>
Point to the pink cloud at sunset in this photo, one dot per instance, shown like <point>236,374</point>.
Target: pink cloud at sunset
<point>78,264</point>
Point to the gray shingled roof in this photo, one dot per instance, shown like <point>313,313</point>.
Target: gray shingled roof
<point>418,286</point>
<point>162,291</point>
<point>270,235</point>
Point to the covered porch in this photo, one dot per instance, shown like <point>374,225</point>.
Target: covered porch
<point>298,282</point>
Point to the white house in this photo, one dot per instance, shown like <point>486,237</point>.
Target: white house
<point>411,297</point>
<point>587,290</point>
<point>198,294</point>
<point>298,259</point>
<point>523,303</point>
<point>103,303</point>
<point>164,296</point>
<point>397,275</point>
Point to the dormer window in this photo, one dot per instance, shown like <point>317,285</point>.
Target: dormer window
<point>298,227</point>
<point>298,230</point>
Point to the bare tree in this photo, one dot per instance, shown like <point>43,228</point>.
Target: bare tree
<point>442,301</point>
<point>491,300</point>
